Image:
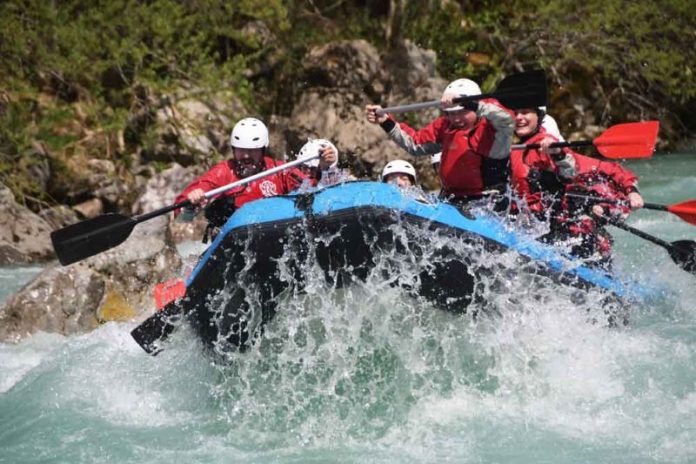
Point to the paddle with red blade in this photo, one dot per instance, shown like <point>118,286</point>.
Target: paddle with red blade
<point>521,90</point>
<point>685,210</point>
<point>628,140</point>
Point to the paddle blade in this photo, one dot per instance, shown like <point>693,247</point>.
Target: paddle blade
<point>523,90</point>
<point>683,253</point>
<point>157,328</point>
<point>630,140</point>
<point>169,291</point>
<point>87,238</point>
<point>685,210</point>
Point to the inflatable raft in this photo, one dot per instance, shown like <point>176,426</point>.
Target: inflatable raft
<point>352,230</point>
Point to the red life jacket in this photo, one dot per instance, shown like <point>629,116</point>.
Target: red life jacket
<point>463,151</point>
<point>223,173</point>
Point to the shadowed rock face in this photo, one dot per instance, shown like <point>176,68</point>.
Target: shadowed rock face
<point>24,236</point>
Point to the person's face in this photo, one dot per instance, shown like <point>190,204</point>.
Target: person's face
<point>248,161</point>
<point>526,121</point>
<point>461,119</point>
<point>399,179</point>
<point>310,171</point>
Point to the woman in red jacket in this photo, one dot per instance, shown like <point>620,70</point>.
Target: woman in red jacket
<point>474,139</point>
<point>542,177</point>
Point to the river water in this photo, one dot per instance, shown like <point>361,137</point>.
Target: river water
<point>369,376</point>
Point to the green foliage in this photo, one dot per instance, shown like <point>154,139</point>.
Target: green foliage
<point>102,53</point>
<point>106,57</point>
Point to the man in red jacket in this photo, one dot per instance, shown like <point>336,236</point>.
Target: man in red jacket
<point>474,139</point>
<point>542,177</point>
<point>249,142</point>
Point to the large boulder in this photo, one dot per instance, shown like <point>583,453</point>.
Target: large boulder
<point>188,126</point>
<point>24,236</point>
<point>80,179</point>
<point>115,285</point>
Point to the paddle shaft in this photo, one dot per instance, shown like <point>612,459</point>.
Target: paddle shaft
<point>158,212</point>
<point>653,206</point>
<point>521,90</point>
<point>429,104</point>
<point>575,144</point>
<point>651,238</point>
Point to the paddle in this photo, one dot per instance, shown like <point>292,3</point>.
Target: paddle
<point>160,325</point>
<point>682,252</point>
<point>523,90</point>
<point>628,140</point>
<point>685,210</point>
<point>88,238</point>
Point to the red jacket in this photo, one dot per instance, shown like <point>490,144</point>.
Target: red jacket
<point>579,173</point>
<point>463,151</point>
<point>222,174</point>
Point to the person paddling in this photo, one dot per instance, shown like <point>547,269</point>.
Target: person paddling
<point>474,138</point>
<point>542,177</point>
<point>249,144</point>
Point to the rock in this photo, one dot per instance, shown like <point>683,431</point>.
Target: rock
<point>350,64</point>
<point>188,129</point>
<point>90,208</point>
<point>40,169</point>
<point>61,300</point>
<point>161,190</point>
<point>114,285</point>
<point>59,216</point>
<point>115,307</point>
<point>83,178</point>
<point>24,236</point>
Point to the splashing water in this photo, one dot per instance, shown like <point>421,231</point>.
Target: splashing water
<point>371,373</point>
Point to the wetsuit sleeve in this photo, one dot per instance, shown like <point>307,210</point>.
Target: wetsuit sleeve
<point>626,181</point>
<point>503,122</point>
<point>425,141</point>
<point>216,177</point>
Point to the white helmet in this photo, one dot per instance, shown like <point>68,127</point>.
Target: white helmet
<point>399,167</point>
<point>436,158</point>
<point>312,148</point>
<point>249,133</point>
<point>460,88</point>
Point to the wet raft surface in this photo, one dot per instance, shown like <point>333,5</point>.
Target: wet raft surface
<point>351,232</point>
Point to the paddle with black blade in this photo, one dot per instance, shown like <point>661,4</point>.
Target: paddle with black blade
<point>686,210</point>
<point>522,90</point>
<point>628,140</point>
<point>93,236</point>
<point>682,252</point>
<point>160,325</point>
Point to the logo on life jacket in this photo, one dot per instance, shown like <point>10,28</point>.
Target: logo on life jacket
<point>268,188</point>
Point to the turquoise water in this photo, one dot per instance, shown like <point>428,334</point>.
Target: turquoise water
<point>368,375</point>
